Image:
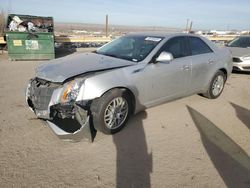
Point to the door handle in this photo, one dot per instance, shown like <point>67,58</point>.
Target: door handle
<point>211,61</point>
<point>185,67</point>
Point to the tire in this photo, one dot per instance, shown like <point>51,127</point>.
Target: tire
<point>216,86</point>
<point>111,112</point>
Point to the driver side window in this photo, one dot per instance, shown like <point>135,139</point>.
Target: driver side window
<point>176,46</point>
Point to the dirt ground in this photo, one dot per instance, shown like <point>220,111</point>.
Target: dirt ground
<point>191,142</point>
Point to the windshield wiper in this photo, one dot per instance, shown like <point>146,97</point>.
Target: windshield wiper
<point>116,56</point>
<point>111,55</point>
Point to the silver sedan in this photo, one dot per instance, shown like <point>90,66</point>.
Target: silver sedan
<point>102,89</point>
<point>240,48</point>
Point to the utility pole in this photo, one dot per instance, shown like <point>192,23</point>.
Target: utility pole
<point>187,25</point>
<point>190,28</point>
<point>107,23</point>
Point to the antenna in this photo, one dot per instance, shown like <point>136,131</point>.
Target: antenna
<point>9,7</point>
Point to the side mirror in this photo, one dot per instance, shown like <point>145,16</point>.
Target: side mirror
<point>164,57</point>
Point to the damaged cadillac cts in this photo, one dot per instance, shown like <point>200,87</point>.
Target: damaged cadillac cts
<point>104,88</point>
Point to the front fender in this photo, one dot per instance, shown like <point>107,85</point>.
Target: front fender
<point>96,86</point>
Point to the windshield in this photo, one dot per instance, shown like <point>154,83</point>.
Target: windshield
<point>241,42</point>
<point>133,48</point>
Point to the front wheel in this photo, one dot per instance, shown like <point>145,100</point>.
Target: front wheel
<point>216,86</point>
<point>111,112</point>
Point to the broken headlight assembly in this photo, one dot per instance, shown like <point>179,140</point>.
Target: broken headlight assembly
<point>71,90</point>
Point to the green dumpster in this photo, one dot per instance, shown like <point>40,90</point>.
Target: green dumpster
<point>30,37</point>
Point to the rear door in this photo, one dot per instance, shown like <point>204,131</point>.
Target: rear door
<point>203,58</point>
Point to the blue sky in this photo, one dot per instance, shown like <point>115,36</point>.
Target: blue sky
<point>208,14</point>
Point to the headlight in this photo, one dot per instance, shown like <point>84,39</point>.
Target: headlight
<point>71,90</point>
<point>246,58</point>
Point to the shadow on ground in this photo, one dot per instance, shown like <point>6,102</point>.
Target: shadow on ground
<point>230,160</point>
<point>134,163</point>
<point>242,113</point>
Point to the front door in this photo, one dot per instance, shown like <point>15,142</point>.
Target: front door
<point>168,80</point>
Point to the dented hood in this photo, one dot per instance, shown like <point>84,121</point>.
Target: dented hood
<point>58,70</point>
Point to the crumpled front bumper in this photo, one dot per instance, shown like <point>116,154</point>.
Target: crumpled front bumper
<point>83,133</point>
<point>68,122</point>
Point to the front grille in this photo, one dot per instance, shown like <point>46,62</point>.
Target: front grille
<point>247,67</point>
<point>40,93</point>
<point>236,68</point>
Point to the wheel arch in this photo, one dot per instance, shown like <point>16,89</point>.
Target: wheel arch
<point>130,93</point>
<point>224,71</point>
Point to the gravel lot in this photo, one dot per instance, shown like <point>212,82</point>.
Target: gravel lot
<point>191,142</point>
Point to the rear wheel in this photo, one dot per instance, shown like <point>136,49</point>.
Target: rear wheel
<point>216,86</point>
<point>111,112</point>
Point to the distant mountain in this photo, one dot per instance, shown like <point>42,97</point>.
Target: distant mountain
<point>113,29</point>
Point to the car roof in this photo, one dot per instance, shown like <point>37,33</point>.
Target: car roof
<point>160,34</point>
